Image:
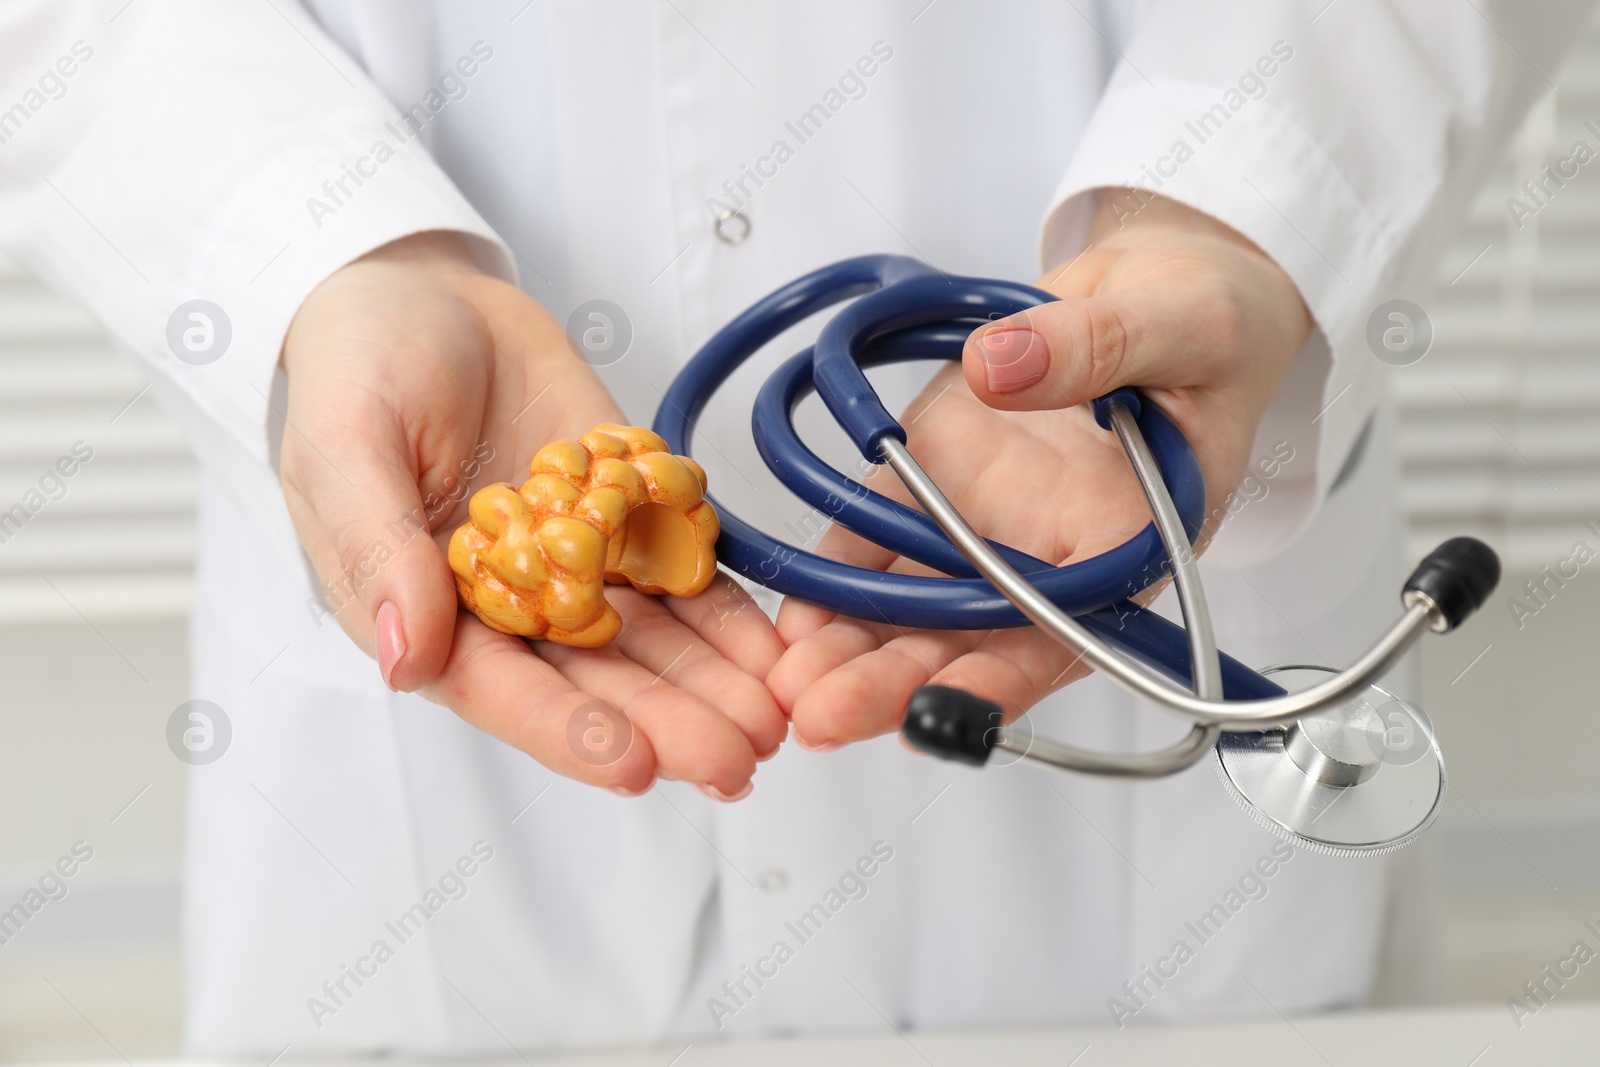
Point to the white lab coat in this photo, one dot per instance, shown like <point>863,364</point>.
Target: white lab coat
<point>581,154</point>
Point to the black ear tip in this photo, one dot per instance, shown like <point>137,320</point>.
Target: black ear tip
<point>1458,577</point>
<point>951,724</point>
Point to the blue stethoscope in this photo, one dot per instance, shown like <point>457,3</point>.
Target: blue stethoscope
<point>1325,758</point>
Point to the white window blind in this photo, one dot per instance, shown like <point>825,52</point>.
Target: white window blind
<point>116,537</point>
<point>1500,425</point>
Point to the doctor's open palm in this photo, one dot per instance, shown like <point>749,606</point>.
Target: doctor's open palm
<point>1169,301</point>
<point>409,369</point>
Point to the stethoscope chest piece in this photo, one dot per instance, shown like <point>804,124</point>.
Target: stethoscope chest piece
<point>1363,778</point>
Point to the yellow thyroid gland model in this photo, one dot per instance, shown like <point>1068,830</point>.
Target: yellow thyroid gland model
<point>613,506</point>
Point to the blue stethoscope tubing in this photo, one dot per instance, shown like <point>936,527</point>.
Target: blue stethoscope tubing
<point>908,311</point>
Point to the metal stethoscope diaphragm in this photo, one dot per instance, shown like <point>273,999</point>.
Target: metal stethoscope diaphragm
<point>1325,758</point>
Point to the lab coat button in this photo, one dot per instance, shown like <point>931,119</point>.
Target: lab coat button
<point>773,880</point>
<point>732,227</point>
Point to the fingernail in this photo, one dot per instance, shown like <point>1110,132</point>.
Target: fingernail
<point>716,794</point>
<point>825,746</point>
<point>774,750</point>
<point>1013,359</point>
<point>391,640</point>
<point>625,792</point>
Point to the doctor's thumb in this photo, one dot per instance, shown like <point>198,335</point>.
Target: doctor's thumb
<point>413,614</point>
<point>1059,355</point>
<point>386,580</point>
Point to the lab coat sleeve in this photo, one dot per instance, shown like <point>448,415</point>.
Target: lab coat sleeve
<point>165,151</point>
<point>1346,140</point>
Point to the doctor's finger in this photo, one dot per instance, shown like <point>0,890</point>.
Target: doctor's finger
<point>867,695</point>
<point>1170,335</point>
<point>692,740</point>
<point>1015,669</point>
<point>355,481</point>
<point>819,653</point>
<point>797,619</point>
<point>821,641</point>
<point>728,619</point>
<point>495,683</point>
<point>818,639</point>
<point>1063,354</point>
<point>657,639</point>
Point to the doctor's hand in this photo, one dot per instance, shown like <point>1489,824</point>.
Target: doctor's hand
<point>1170,301</point>
<point>410,373</point>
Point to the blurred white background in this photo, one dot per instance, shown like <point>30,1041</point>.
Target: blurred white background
<point>1501,431</point>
